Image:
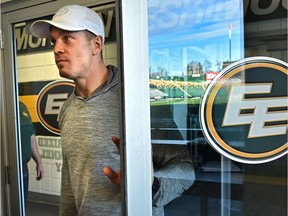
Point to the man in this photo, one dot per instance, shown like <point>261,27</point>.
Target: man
<point>90,116</point>
<point>29,148</point>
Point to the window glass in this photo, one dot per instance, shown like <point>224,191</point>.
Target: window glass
<point>41,94</point>
<point>190,42</point>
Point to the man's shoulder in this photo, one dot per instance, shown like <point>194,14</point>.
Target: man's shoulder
<point>113,78</point>
<point>67,101</point>
<point>64,107</point>
<point>112,68</point>
<point>112,72</point>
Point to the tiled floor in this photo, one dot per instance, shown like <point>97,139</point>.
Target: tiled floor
<point>43,209</point>
<point>200,200</point>
<point>44,205</point>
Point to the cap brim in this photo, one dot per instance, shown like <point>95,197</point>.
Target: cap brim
<point>41,28</point>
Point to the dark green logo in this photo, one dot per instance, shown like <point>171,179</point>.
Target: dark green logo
<point>49,102</point>
<point>244,110</point>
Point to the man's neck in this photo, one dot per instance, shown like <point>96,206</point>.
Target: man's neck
<point>86,86</point>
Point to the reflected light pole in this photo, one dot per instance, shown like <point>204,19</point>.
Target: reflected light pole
<point>230,30</point>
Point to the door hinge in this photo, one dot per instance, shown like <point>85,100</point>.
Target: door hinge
<point>1,40</point>
<point>7,175</point>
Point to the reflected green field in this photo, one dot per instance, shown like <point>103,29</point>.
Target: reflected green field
<point>171,101</point>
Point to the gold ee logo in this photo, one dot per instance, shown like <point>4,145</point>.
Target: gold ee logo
<point>244,110</point>
<point>49,102</point>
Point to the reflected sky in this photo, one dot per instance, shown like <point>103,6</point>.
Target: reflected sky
<point>194,30</point>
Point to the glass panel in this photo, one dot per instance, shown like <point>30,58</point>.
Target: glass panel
<point>40,147</point>
<point>41,94</point>
<point>190,42</point>
<point>266,183</point>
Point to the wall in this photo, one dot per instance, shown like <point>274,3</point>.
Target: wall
<point>266,28</point>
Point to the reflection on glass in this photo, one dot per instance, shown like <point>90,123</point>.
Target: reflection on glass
<point>35,68</point>
<point>29,148</point>
<point>190,42</point>
<point>43,92</point>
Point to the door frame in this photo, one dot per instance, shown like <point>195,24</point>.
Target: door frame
<point>134,68</point>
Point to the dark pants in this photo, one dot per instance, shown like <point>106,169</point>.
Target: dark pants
<point>25,181</point>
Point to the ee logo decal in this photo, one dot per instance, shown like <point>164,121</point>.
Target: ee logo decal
<point>49,102</point>
<point>244,111</point>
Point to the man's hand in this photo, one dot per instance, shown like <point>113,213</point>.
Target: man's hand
<point>108,171</point>
<point>39,171</point>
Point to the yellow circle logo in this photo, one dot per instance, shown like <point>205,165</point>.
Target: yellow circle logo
<point>244,110</point>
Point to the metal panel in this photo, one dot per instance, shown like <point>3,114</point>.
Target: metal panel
<point>11,160</point>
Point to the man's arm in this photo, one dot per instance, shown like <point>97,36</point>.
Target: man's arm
<point>36,157</point>
<point>113,175</point>
<point>173,175</point>
<point>173,179</point>
<point>174,171</point>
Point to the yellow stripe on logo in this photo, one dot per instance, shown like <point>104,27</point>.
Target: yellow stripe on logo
<point>30,102</point>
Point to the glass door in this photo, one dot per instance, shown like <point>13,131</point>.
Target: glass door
<point>31,79</point>
<point>168,54</point>
<point>34,94</point>
<point>190,43</point>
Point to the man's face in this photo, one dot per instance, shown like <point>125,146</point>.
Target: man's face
<point>73,53</point>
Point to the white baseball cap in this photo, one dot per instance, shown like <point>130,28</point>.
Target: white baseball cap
<point>70,18</point>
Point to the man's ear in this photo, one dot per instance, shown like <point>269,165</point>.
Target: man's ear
<point>98,44</point>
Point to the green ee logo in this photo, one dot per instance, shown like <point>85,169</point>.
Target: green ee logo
<point>49,102</point>
<point>244,110</point>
